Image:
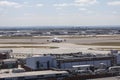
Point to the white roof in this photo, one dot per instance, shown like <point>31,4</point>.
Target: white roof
<point>33,73</point>
<point>10,60</point>
<point>114,67</point>
<point>3,71</point>
<point>36,56</point>
<point>75,66</point>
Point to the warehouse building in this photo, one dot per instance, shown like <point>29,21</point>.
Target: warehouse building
<point>66,61</point>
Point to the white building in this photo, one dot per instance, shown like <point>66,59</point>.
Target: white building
<point>35,75</point>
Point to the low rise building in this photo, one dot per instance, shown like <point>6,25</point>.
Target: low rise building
<point>66,61</point>
<point>35,75</point>
<point>8,63</point>
<point>5,54</point>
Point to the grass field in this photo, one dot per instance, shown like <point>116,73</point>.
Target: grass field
<point>49,47</point>
<point>25,37</point>
<point>60,36</point>
<point>105,44</point>
<point>108,49</point>
<point>20,43</point>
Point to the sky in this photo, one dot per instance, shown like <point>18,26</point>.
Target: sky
<point>59,12</point>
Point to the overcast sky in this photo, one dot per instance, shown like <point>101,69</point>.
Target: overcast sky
<point>59,12</point>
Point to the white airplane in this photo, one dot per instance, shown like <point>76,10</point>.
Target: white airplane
<point>57,40</point>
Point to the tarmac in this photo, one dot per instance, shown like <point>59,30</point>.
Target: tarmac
<point>72,45</point>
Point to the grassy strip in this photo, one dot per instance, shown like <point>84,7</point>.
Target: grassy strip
<point>105,44</point>
<point>108,49</point>
<point>24,37</point>
<point>49,47</point>
<point>89,36</point>
<point>20,43</point>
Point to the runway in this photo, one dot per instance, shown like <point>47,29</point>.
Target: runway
<point>72,45</point>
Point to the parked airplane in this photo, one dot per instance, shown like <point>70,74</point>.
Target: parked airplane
<point>57,40</point>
